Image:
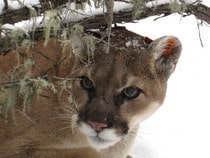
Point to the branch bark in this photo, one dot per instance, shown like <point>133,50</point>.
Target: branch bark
<point>13,16</point>
<point>200,11</point>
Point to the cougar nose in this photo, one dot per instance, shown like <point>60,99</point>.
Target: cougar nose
<point>97,126</point>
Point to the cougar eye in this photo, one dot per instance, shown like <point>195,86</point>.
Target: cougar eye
<point>86,83</point>
<point>131,92</point>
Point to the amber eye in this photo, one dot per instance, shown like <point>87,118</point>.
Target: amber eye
<point>86,83</point>
<point>131,92</point>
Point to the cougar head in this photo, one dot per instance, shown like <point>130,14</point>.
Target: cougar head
<point>119,89</point>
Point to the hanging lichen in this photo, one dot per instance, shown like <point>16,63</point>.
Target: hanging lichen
<point>16,36</point>
<point>177,7</point>
<point>9,99</point>
<point>90,40</point>
<point>65,34</point>
<point>63,86</point>
<point>138,7</point>
<point>40,84</point>
<point>66,48</point>
<point>90,43</point>
<point>98,3</point>
<point>27,44</point>
<point>26,91</point>
<point>51,25</point>
<point>81,4</point>
<point>24,85</point>
<point>77,30</point>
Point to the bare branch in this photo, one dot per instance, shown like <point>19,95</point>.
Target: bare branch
<point>109,6</point>
<point>199,33</point>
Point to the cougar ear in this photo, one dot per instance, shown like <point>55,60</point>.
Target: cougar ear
<point>78,47</point>
<point>166,51</point>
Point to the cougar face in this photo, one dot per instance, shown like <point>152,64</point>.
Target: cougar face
<point>119,89</point>
<point>111,90</point>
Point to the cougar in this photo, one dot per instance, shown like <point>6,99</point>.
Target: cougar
<point>82,97</point>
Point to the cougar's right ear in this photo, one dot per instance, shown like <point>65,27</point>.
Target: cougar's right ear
<point>166,52</point>
<point>78,47</point>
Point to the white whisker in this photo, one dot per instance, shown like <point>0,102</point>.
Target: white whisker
<point>68,109</point>
<point>64,128</point>
<point>125,141</point>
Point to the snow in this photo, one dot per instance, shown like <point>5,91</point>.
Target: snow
<point>17,4</point>
<point>119,6</point>
<point>1,6</point>
<point>134,43</point>
<point>75,15</point>
<point>159,2</point>
<point>206,2</point>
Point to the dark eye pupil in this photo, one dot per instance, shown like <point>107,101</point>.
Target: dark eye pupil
<point>86,83</point>
<point>131,92</point>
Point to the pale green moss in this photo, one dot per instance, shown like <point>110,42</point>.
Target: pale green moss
<point>138,7</point>
<point>40,84</point>
<point>74,119</point>
<point>77,30</point>
<point>10,99</point>
<point>51,24</point>
<point>90,42</point>
<point>98,3</point>
<point>177,7</point>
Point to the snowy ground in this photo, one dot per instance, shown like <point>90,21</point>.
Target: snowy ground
<point>180,128</point>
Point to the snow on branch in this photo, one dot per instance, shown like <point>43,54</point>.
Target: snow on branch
<point>15,12</point>
<point>93,17</point>
<point>136,9</point>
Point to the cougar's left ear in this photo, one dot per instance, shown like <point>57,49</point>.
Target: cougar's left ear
<point>166,51</point>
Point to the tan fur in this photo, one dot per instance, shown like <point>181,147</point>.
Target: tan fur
<point>48,126</point>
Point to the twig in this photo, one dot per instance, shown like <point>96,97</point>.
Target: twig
<point>24,114</point>
<point>199,33</point>
<point>109,7</point>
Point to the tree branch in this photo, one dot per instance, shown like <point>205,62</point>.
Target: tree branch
<point>200,11</point>
<point>13,16</point>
